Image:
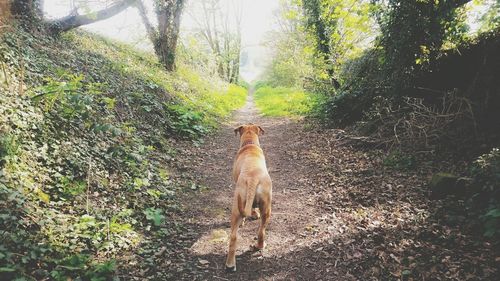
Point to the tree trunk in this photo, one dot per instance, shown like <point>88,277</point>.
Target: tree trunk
<point>169,21</point>
<point>165,51</point>
<point>236,70</point>
<point>164,39</point>
<point>316,24</point>
<point>220,65</point>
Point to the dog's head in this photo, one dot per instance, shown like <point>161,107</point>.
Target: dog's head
<point>248,129</point>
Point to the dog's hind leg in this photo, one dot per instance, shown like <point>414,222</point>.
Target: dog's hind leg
<point>236,220</point>
<point>265,212</point>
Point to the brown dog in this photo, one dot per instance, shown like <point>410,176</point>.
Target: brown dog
<point>253,188</point>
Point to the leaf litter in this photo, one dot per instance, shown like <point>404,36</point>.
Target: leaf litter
<point>338,213</point>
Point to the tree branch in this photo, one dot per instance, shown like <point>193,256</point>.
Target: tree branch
<point>152,33</point>
<point>75,20</point>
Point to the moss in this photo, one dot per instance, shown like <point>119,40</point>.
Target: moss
<point>443,184</point>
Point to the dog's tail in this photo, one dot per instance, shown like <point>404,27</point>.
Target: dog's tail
<point>251,188</point>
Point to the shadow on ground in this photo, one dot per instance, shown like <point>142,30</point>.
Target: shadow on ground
<point>338,214</point>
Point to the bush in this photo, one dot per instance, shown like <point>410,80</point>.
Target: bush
<point>411,123</point>
<point>345,108</point>
<point>485,172</point>
<point>362,79</point>
<point>398,160</point>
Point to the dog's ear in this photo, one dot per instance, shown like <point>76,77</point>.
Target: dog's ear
<point>261,131</point>
<point>237,130</point>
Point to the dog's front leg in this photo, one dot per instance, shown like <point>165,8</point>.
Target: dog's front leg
<point>236,220</point>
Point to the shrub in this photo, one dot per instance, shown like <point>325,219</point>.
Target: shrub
<point>485,172</point>
<point>399,160</point>
<point>362,79</point>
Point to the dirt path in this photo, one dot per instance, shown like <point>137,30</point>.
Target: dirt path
<point>338,214</point>
<point>294,207</point>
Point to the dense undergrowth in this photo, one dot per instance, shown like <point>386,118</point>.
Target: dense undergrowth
<point>427,94</point>
<point>448,109</point>
<point>87,148</point>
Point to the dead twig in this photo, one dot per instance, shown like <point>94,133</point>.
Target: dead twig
<point>414,123</point>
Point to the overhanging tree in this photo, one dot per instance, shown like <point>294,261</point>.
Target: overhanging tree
<point>317,27</point>
<point>31,13</point>
<point>74,19</point>
<point>164,37</point>
<point>413,33</point>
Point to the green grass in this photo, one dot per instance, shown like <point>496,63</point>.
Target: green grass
<point>194,91</point>
<point>284,102</point>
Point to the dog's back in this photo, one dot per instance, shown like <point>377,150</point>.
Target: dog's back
<point>250,162</point>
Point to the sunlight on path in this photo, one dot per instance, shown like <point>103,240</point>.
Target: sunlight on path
<point>295,222</point>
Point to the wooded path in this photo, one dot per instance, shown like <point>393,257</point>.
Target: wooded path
<point>338,214</point>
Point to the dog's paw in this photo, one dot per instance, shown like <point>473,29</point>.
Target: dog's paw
<point>256,248</point>
<point>230,269</point>
<point>255,214</point>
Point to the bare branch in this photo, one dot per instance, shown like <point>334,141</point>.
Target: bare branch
<point>75,20</point>
<point>152,33</point>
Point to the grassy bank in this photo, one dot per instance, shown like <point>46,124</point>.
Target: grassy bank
<point>88,179</point>
<point>285,102</point>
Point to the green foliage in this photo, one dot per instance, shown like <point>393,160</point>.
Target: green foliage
<point>317,27</point>
<point>284,101</point>
<point>154,215</point>
<point>244,84</point>
<point>8,145</point>
<point>344,108</point>
<point>400,61</point>
<point>79,266</point>
<point>74,98</point>
<point>350,28</point>
<point>427,26</point>
<point>166,94</point>
<point>293,57</point>
<point>485,172</point>
<point>338,31</point>
<point>492,222</point>
<point>363,79</point>
<point>70,234</point>
<point>85,142</point>
<point>491,19</point>
<point>399,160</point>
<point>69,187</point>
<point>15,231</point>
<point>222,103</point>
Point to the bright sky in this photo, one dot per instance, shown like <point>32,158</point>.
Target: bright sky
<point>127,27</point>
